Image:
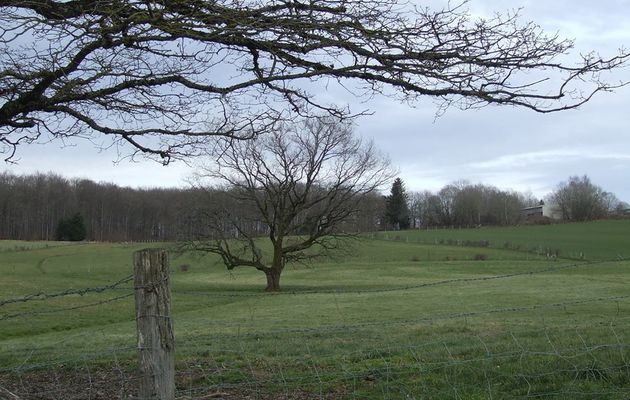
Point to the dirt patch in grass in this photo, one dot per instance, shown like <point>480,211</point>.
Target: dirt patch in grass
<point>105,383</point>
<point>68,383</point>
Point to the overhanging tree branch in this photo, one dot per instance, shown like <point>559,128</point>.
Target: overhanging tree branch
<point>182,70</point>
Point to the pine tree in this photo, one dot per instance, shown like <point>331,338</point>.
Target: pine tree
<point>71,229</point>
<point>397,211</point>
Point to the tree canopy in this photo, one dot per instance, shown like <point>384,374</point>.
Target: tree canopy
<point>299,186</point>
<point>466,205</point>
<point>164,75</point>
<point>578,199</point>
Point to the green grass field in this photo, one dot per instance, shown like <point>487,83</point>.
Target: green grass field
<point>403,318</point>
<point>597,240</point>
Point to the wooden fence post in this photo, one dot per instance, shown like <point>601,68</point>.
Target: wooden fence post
<point>156,341</point>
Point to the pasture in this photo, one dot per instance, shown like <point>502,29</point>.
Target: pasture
<point>595,240</point>
<point>410,317</point>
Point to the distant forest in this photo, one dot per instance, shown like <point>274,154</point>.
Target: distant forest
<point>32,206</point>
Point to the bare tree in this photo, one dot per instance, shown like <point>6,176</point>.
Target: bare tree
<point>463,204</point>
<point>580,200</point>
<point>480,204</point>
<point>164,75</point>
<point>297,186</point>
<point>418,208</point>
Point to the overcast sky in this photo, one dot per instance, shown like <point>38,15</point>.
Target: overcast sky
<point>506,147</point>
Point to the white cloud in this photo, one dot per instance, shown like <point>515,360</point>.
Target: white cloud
<point>546,157</point>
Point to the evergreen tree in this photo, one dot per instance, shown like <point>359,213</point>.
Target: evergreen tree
<point>397,211</point>
<point>71,229</point>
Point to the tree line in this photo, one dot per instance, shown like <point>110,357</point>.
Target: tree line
<point>459,204</point>
<point>462,204</point>
<point>32,207</point>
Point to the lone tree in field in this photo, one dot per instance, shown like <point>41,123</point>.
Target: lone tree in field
<point>164,75</point>
<point>296,186</point>
<point>397,211</point>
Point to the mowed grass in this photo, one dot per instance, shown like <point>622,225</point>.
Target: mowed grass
<point>388,319</point>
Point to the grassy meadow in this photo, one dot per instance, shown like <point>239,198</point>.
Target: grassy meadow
<point>596,240</point>
<point>402,315</point>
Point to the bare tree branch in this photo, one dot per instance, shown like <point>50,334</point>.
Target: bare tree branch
<point>162,75</point>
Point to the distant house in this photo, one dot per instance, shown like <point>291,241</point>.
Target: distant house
<point>542,210</point>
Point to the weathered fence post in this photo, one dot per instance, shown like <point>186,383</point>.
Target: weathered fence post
<point>156,342</point>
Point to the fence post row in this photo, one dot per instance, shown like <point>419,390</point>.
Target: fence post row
<point>156,341</point>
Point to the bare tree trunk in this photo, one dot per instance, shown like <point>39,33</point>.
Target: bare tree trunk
<point>273,279</point>
<point>273,273</point>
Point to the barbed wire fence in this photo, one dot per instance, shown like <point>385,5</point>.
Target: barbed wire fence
<point>534,350</point>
